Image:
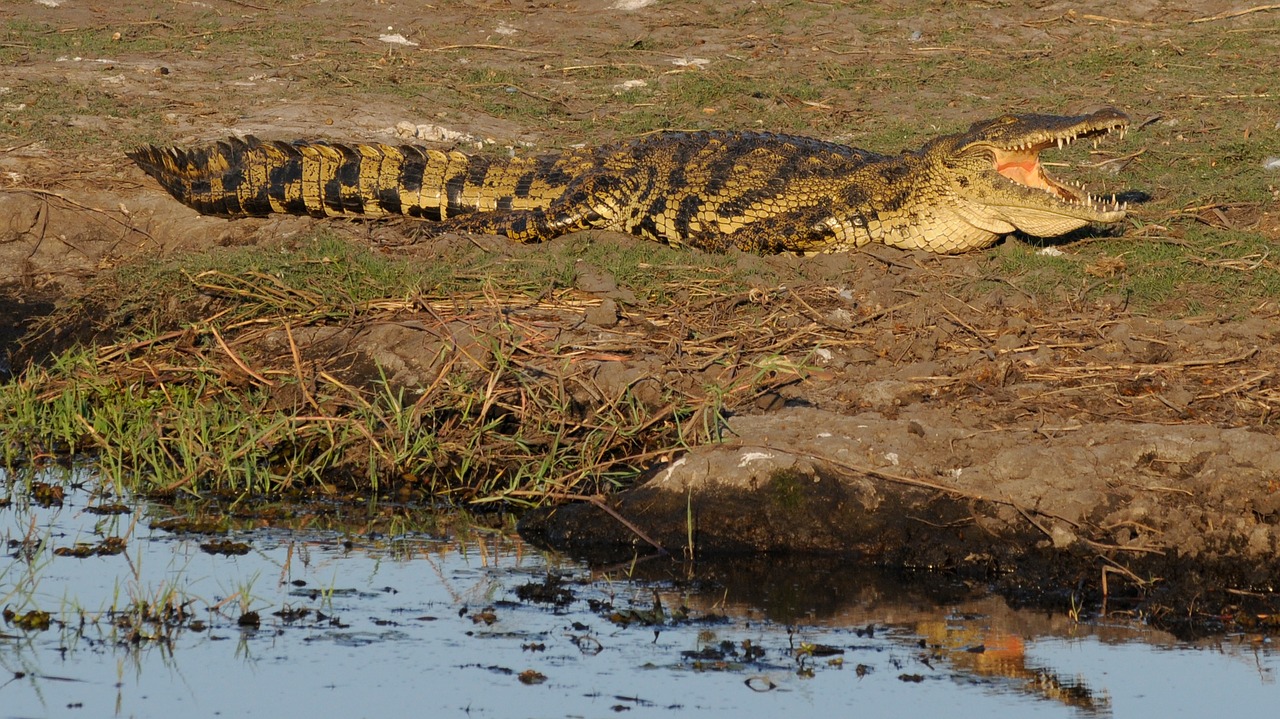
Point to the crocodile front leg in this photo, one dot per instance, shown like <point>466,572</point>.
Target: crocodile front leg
<point>806,231</point>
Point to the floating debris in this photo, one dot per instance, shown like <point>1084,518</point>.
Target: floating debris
<point>225,547</point>
<point>108,547</point>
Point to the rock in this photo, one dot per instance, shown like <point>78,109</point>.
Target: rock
<point>604,314</point>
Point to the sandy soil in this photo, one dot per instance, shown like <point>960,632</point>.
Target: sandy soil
<point>1073,426</point>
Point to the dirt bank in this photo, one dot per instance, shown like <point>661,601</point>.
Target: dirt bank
<point>1158,517</point>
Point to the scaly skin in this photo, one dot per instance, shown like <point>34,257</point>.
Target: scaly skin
<point>758,192</point>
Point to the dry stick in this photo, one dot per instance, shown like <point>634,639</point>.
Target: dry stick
<point>1236,387</point>
<point>598,501</point>
<point>159,382</point>
<point>482,46</point>
<point>1116,547</point>
<point>1027,516</point>
<point>813,314</point>
<point>612,65</point>
<point>1247,593</point>
<point>216,31</point>
<point>239,363</point>
<point>1116,20</point>
<point>1113,566</point>
<point>1210,206</point>
<point>913,51</point>
<point>877,315</point>
<point>911,481</point>
<point>218,607</point>
<point>106,354</point>
<point>297,366</point>
<point>97,437</point>
<point>20,145</point>
<point>1236,13</point>
<point>956,318</point>
<point>1154,367</point>
<point>355,393</point>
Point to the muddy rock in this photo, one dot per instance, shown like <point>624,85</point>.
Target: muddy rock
<point>604,314</point>
<point>930,492</point>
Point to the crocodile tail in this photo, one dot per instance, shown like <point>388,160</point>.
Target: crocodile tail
<point>251,177</point>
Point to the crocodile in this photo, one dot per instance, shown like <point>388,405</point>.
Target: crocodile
<point>712,190</point>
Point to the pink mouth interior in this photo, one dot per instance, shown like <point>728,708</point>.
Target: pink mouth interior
<point>1024,168</point>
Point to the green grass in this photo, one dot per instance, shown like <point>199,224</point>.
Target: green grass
<point>1225,272</point>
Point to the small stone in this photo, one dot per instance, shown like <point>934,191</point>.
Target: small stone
<point>1008,342</point>
<point>604,314</point>
<point>770,401</point>
<point>1062,537</point>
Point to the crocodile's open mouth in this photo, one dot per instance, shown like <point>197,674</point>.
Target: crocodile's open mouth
<point>1021,164</point>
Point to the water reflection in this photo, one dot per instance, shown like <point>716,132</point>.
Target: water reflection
<point>946,624</point>
<point>336,612</point>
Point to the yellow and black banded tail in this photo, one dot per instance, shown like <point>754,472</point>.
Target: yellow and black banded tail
<point>251,177</point>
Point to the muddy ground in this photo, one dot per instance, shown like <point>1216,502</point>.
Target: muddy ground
<point>1137,439</point>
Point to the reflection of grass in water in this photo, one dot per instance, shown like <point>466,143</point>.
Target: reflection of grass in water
<point>136,614</point>
<point>152,618</point>
<point>135,617</point>
<point>29,557</point>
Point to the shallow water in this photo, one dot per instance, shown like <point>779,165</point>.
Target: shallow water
<point>432,622</point>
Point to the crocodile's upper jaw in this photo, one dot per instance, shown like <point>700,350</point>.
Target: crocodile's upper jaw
<point>999,183</point>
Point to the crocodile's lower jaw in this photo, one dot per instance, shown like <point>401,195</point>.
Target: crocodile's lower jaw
<point>1045,223</point>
